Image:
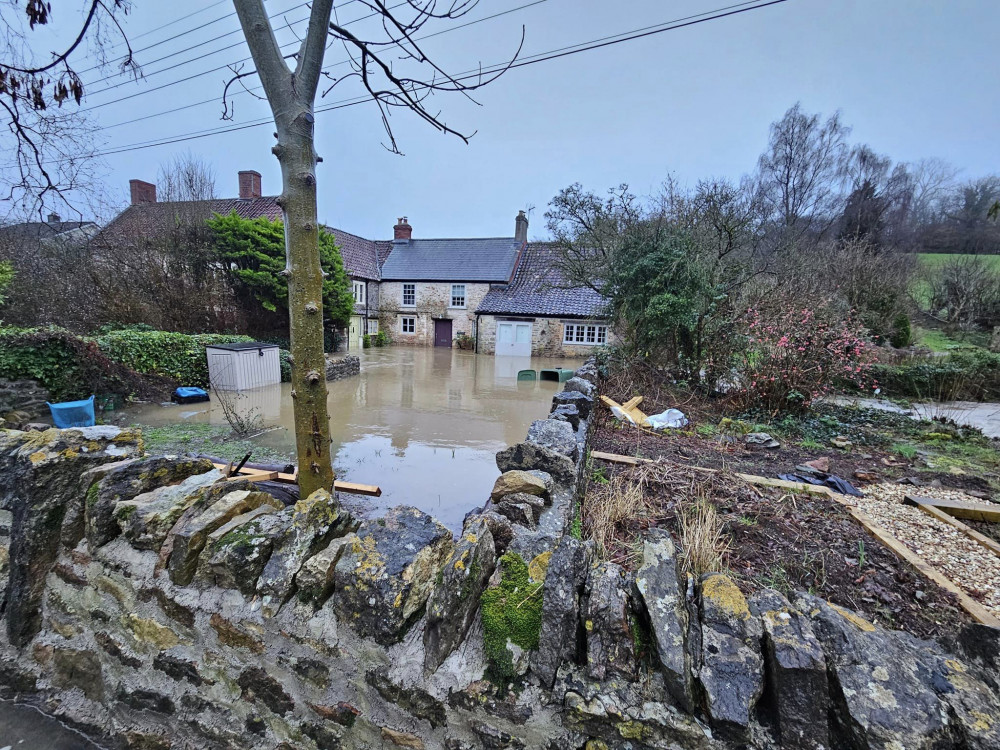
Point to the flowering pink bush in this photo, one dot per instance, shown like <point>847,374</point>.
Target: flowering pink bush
<point>793,356</point>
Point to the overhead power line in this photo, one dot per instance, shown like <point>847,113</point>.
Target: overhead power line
<point>200,74</point>
<point>326,68</point>
<point>594,44</point>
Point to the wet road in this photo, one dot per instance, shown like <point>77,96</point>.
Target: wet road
<point>24,728</point>
<point>423,423</point>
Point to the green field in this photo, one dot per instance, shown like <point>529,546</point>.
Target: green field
<point>936,259</point>
<point>932,260</point>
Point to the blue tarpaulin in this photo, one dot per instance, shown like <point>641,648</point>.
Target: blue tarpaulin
<point>73,413</point>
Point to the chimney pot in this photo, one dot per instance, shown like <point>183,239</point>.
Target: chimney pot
<point>54,218</point>
<point>142,192</point>
<point>521,228</point>
<point>403,231</point>
<point>249,184</point>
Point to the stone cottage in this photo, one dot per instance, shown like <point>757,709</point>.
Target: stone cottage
<point>503,292</point>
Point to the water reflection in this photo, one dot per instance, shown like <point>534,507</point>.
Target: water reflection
<point>423,423</point>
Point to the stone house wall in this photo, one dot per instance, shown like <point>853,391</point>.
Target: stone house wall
<point>546,336</point>
<point>433,301</point>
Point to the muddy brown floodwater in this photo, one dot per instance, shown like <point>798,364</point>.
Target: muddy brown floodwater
<point>422,423</point>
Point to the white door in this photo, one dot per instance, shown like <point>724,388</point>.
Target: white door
<point>514,339</point>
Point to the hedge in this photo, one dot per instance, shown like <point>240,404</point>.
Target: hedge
<point>178,356</point>
<point>68,366</point>
<point>125,362</point>
<point>965,375</point>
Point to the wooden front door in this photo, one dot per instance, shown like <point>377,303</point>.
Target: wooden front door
<point>442,333</point>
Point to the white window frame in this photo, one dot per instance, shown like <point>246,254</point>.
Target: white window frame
<point>413,289</point>
<point>359,292</point>
<point>412,320</point>
<point>458,296</point>
<point>371,326</point>
<point>585,334</point>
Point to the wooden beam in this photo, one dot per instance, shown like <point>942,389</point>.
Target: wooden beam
<point>970,605</point>
<point>614,458</point>
<point>632,403</point>
<point>370,490</point>
<point>976,511</point>
<point>258,475</point>
<point>974,535</point>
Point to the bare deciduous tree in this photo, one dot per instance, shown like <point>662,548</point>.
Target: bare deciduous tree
<point>801,173</point>
<point>395,71</point>
<point>48,150</point>
<point>186,177</point>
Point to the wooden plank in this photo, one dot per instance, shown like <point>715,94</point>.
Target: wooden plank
<point>616,459</point>
<point>632,403</point>
<point>258,475</point>
<point>975,511</point>
<point>970,605</point>
<point>353,488</point>
<point>974,535</point>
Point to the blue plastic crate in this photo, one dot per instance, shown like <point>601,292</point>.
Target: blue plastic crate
<point>73,413</point>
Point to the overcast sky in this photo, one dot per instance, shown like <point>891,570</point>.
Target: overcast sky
<point>915,78</point>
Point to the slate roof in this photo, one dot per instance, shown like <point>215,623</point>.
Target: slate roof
<point>537,290</point>
<point>473,260</point>
<point>45,230</point>
<point>147,220</point>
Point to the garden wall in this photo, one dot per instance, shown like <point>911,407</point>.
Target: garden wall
<point>342,367</point>
<point>23,396</point>
<point>151,601</point>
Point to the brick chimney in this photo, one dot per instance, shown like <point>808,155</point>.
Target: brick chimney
<point>521,228</point>
<point>249,184</point>
<point>54,218</point>
<point>402,232</point>
<point>142,192</point>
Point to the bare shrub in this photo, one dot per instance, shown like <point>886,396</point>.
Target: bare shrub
<point>245,421</point>
<point>704,547</point>
<point>964,292</point>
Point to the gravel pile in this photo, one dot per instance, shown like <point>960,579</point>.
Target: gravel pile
<point>972,568</point>
<point>895,493</point>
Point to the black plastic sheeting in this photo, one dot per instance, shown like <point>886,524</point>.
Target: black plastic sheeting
<point>838,484</point>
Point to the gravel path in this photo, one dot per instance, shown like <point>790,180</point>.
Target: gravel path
<point>969,566</point>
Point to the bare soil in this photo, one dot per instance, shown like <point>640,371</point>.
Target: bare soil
<point>783,540</point>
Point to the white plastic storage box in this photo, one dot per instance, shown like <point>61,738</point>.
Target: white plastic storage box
<point>239,367</point>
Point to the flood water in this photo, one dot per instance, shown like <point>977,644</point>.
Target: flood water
<point>982,415</point>
<point>24,728</point>
<point>423,423</point>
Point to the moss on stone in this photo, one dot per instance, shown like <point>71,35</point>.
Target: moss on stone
<point>92,492</point>
<point>512,614</point>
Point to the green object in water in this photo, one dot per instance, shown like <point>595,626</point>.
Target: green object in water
<point>526,375</point>
<point>558,375</point>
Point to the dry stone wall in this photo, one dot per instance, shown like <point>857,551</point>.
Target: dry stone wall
<point>22,400</point>
<point>339,368</point>
<point>156,604</point>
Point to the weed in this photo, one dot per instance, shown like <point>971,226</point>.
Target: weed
<point>706,430</point>
<point>862,559</point>
<point>747,521</point>
<point>618,500</point>
<point>777,578</point>
<point>810,444</point>
<point>906,450</point>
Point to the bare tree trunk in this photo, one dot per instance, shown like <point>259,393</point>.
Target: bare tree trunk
<point>291,97</point>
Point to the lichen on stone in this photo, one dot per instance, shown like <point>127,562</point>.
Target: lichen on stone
<point>512,614</point>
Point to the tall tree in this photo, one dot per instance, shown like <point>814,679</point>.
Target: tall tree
<point>801,173</point>
<point>48,149</point>
<point>291,92</point>
<point>185,177</point>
